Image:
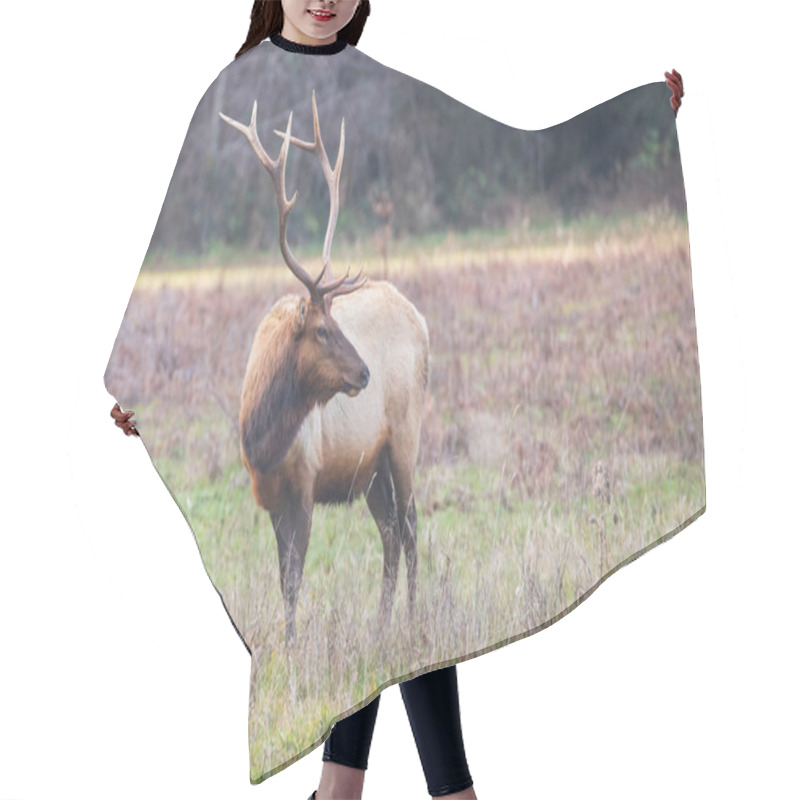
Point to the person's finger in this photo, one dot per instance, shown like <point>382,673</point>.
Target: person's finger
<point>674,80</point>
<point>123,420</point>
<point>674,84</point>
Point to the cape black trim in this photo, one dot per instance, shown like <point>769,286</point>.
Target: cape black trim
<point>310,49</point>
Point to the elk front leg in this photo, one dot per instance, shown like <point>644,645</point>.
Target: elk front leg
<point>292,529</point>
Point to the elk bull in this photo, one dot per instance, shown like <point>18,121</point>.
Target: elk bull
<point>332,398</point>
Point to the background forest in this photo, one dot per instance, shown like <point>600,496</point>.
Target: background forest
<point>220,204</point>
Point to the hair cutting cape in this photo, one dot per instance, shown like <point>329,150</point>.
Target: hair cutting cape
<point>456,453</point>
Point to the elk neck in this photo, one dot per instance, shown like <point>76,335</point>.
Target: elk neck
<point>269,425</point>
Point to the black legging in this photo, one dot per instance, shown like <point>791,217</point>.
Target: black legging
<point>433,711</point>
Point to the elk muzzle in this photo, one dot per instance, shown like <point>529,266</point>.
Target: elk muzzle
<point>353,388</point>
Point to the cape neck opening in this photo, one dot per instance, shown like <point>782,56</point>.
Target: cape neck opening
<point>310,49</point>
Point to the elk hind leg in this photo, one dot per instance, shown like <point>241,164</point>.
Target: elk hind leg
<point>383,507</point>
<point>403,461</point>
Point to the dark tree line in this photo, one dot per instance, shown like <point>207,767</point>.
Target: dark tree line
<point>439,164</point>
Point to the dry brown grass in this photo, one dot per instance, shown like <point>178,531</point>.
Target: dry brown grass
<point>562,435</point>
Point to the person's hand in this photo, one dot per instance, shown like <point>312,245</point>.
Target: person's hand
<point>122,419</point>
<point>675,82</point>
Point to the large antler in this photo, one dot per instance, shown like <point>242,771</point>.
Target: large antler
<point>331,175</point>
<point>277,169</point>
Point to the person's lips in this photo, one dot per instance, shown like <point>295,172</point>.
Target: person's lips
<point>321,15</point>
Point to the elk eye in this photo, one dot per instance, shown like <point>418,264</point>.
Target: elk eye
<point>322,332</point>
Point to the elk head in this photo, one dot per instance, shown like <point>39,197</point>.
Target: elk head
<point>327,360</point>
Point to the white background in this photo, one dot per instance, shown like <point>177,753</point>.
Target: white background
<point>120,674</point>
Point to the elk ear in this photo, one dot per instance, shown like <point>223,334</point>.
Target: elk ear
<point>300,317</point>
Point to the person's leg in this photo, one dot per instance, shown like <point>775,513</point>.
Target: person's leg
<point>433,711</point>
<point>346,753</point>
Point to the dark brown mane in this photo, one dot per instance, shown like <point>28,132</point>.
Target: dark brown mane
<point>269,424</point>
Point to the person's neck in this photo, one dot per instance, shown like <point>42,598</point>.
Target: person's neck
<point>294,34</point>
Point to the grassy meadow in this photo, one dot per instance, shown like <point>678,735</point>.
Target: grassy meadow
<point>562,436</point>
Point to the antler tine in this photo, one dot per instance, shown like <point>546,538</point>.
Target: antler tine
<point>251,134</point>
<point>332,176</point>
<point>277,170</point>
<point>344,285</point>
